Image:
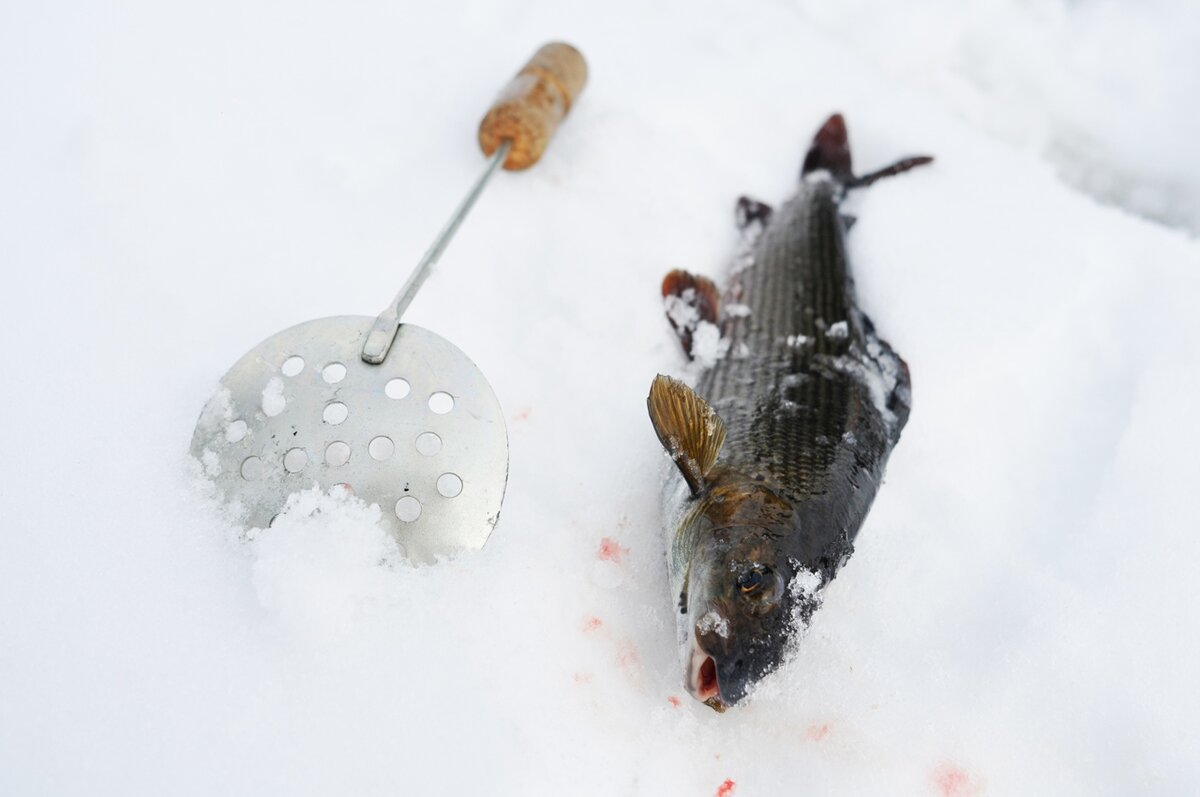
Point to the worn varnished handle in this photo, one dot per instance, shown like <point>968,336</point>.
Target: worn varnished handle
<point>533,104</point>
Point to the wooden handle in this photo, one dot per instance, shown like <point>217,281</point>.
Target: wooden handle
<point>533,104</point>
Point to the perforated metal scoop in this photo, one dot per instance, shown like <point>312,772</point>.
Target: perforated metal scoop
<point>390,411</point>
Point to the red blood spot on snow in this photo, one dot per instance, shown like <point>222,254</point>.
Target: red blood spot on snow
<point>952,781</point>
<point>627,655</point>
<point>726,788</point>
<point>816,733</point>
<point>611,551</point>
<point>592,624</point>
<point>674,701</point>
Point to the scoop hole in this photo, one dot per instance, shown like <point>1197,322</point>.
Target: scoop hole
<point>408,509</point>
<point>441,402</point>
<point>449,485</point>
<point>428,443</point>
<point>337,453</point>
<point>252,468</point>
<point>397,388</point>
<point>381,448</point>
<point>295,460</point>
<point>235,431</point>
<point>335,412</point>
<point>292,366</point>
<point>333,373</point>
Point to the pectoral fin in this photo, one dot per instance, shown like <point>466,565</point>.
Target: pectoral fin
<point>688,428</point>
<point>752,216</point>
<point>688,300</point>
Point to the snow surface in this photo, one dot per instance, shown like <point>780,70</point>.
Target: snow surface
<point>181,181</point>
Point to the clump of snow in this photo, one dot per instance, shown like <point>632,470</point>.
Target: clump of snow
<point>681,309</point>
<point>712,622</point>
<point>273,401</point>
<point>805,583</point>
<point>839,329</point>
<point>796,341</point>
<point>217,411</point>
<point>736,310</point>
<point>324,563</point>
<point>818,176</point>
<point>236,431</point>
<point>211,463</point>
<point>708,345</point>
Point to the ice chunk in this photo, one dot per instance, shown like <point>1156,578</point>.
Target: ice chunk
<point>707,344</point>
<point>712,622</point>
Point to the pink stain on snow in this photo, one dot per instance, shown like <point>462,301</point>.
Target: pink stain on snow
<point>816,733</point>
<point>674,701</point>
<point>952,781</point>
<point>611,551</point>
<point>592,624</point>
<point>583,677</point>
<point>726,788</point>
<point>627,656</point>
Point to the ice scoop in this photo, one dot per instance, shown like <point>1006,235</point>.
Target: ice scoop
<point>390,411</point>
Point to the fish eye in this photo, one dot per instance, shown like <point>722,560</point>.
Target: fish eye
<point>750,581</point>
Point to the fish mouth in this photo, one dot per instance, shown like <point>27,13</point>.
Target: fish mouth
<point>702,680</point>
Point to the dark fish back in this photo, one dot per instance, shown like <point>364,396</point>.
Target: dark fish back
<point>813,401</point>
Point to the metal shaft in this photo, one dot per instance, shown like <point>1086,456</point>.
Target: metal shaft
<point>387,323</point>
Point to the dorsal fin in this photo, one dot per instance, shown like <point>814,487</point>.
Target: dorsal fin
<point>688,428</point>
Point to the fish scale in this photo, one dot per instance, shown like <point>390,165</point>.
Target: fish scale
<point>788,406</point>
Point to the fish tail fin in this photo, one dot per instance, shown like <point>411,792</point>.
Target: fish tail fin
<point>830,152</point>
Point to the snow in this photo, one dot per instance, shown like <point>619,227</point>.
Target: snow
<point>805,583</point>
<point>181,182</point>
<point>681,309</point>
<point>707,344</point>
<point>273,401</point>
<point>1104,94</point>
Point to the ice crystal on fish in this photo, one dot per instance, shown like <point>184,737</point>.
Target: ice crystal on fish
<point>707,344</point>
<point>712,622</point>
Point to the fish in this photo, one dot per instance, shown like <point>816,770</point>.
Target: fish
<point>780,449</point>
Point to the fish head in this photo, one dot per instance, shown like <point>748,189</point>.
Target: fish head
<point>740,617</point>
